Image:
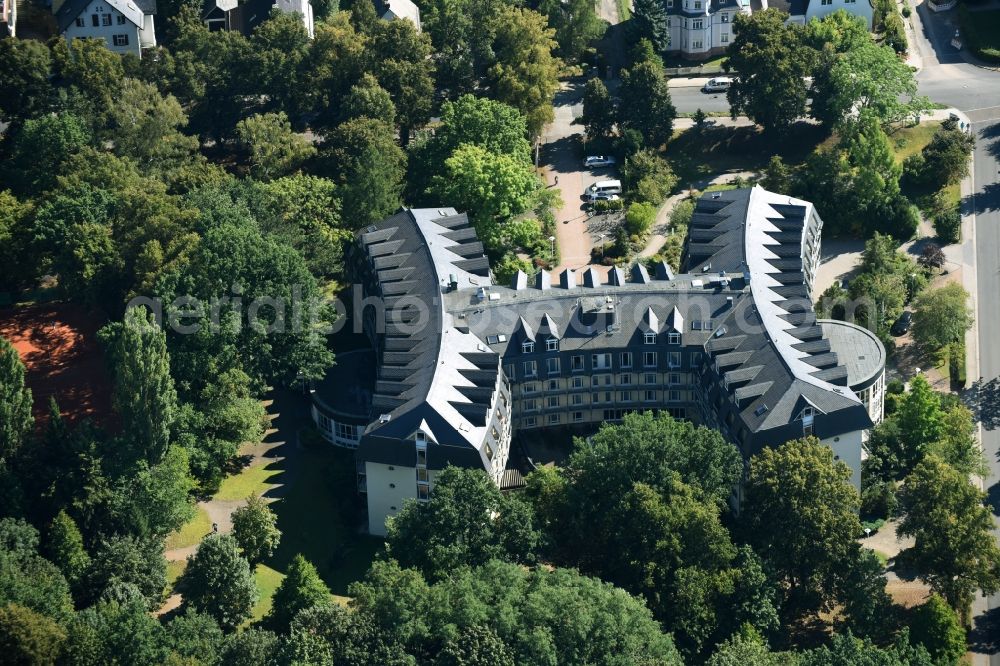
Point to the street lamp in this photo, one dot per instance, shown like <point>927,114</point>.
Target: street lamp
<point>600,240</point>
<point>552,245</point>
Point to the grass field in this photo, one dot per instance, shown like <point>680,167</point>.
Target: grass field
<point>174,571</point>
<point>267,580</point>
<point>907,141</point>
<point>254,480</point>
<point>318,517</point>
<point>191,532</point>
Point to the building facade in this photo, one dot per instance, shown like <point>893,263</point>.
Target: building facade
<point>245,16</point>
<point>458,364</point>
<point>125,26</point>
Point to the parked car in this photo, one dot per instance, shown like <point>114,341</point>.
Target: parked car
<point>593,161</point>
<point>718,84</point>
<point>902,325</point>
<point>603,196</point>
<point>605,187</point>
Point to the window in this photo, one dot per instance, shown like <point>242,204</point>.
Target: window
<point>725,38</point>
<point>577,382</point>
<point>527,347</point>
<point>674,379</point>
<point>670,4</point>
<point>697,4</point>
<point>626,379</point>
<point>674,338</point>
<point>530,421</point>
<point>649,359</point>
<point>552,365</point>
<point>530,369</point>
<point>600,361</point>
<point>626,359</point>
<point>649,378</point>
<point>695,359</point>
<point>698,24</point>
<point>95,20</point>
<point>552,401</point>
<point>725,18</point>
<point>626,396</point>
<point>120,19</point>
<point>577,399</point>
<point>698,44</point>
<point>607,380</point>
<point>553,419</point>
<point>597,398</point>
<point>649,338</point>
<point>553,385</point>
<point>577,417</point>
<point>106,19</point>
<point>551,345</point>
<point>530,405</point>
<point>509,371</point>
<point>576,363</point>
<point>826,3</point>
<point>80,23</point>
<point>675,359</point>
<point>530,387</point>
<point>423,492</point>
<point>675,396</point>
<point>422,475</point>
<point>649,396</point>
<point>489,452</point>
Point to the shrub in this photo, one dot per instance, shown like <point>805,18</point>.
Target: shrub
<point>948,226</point>
<point>907,11</point>
<point>639,218</point>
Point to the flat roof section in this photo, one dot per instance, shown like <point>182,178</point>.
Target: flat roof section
<point>857,349</point>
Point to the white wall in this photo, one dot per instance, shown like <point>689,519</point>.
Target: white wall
<point>135,40</point>
<point>383,500</point>
<point>847,448</point>
<point>862,8</point>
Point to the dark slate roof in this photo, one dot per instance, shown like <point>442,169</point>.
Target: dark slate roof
<point>792,7</point>
<point>428,371</point>
<point>72,8</point>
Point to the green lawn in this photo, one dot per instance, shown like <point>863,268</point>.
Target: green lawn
<point>256,479</point>
<point>191,532</point>
<point>908,141</point>
<point>319,516</point>
<point>267,580</point>
<point>174,571</point>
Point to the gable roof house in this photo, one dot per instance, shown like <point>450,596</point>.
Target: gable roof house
<point>245,16</point>
<point>8,18</point>
<point>394,10</point>
<point>459,363</point>
<point>803,11</point>
<point>126,26</point>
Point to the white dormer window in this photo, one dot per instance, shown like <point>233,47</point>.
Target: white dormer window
<point>674,338</point>
<point>649,338</point>
<point>697,4</point>
<point>527,347</point>
<point>552,344</point>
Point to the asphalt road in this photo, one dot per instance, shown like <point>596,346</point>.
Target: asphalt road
<point>688,99</point>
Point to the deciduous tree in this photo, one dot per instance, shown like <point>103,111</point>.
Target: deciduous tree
<point>598,110</point>
<point>15,402</point>
<point>645,105</point>
<point>941,316</point>
<point>218,581</point>
<point>302,588</point>
<point>272,147</point>
<point>255,529</point>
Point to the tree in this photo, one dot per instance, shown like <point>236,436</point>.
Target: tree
<point>251,647</point>
<point>466,521</point>
<point>354,638</point>
<point>367,99</point>
<point>218,581</point>
<point>144,394</point>
<point>16,421</point>
<point>400,58</point>
<point>25,78</point>
<point>195,635</point>
<point>526,73</point>
<point>28,638</point>
<point>128,561</point>
<point>273,148</point>
<point>145,126</point>
<point>801,516</point>
<point>648,177</point>
<point>65,548</point>
<point>959,445</point>
<point>598,110</point>
<point>769,56</point>
<point>255,529</point>
<point>941,316</point>
<point>653,23</point>
<point>743,648</point>
<point>882,296</point>
<point>867,606</point>
<point>553,617</point>
<point>872,78</point>
<point>41,148</point>
<point>945,160</point>
<point>28,579</point>
<point>476,646</point>
<point>954,550</point>
<point>937,628</point>
<point>920,421</point>
<point>639,218</point>
<point>932,256</point>
<point>576,24</point>
<point>645,105</point>
<point>493,187</point>
<point>847,650</point>
<point>302,588</point>
<point>362,157</point>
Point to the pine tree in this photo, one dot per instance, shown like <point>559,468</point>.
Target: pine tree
<point>144,394</point>
<point>651,16</point>
<point>15,402</point>
<point>301,589</point>
<point>65,548</point>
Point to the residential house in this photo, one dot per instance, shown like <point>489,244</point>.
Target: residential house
<point>8,18</point>
<point>394,10</point>
<point>126,26</point>
<point>245,16</point>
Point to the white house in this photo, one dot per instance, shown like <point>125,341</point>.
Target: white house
<point>8,18</point>
<point>394,10</point>
<point>803,11</point>
<point>246,16</point>
<point>123,25</point>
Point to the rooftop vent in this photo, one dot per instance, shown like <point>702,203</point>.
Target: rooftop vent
<point>384,418</point>
<point>716,195</point>
<point>760,411</point>
<point>371,228</point>
<point>722,331</point>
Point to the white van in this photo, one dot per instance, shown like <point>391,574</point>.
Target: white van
<point>604,187</point>
<point>719,84</point>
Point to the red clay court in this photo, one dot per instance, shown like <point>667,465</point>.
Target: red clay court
<point>58,345</point>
